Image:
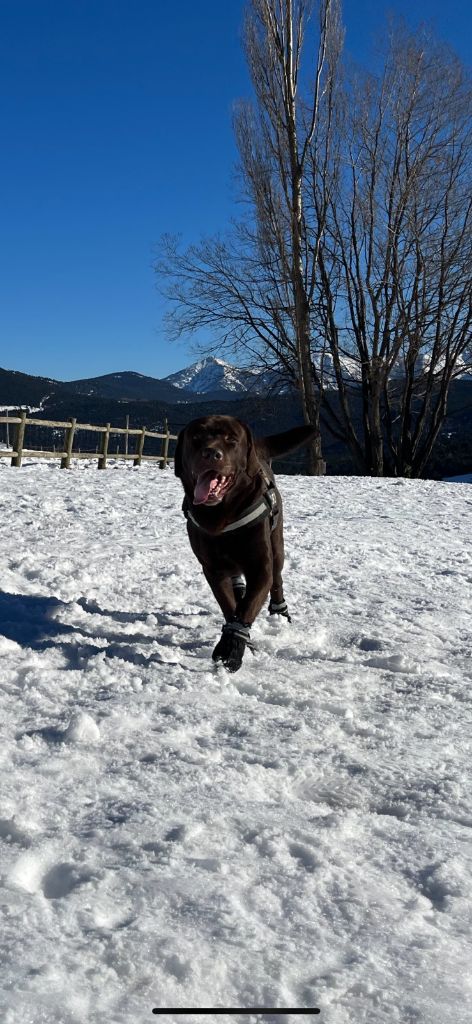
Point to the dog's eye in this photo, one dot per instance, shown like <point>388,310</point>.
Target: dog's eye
<point>231,441</point>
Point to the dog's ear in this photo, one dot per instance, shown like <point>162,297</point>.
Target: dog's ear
<point>252,465</point>
<point>178,467</point>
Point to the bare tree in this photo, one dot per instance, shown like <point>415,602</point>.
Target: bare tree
<point>396,264</point>
<point>257,288</point>
<point>350,273</point>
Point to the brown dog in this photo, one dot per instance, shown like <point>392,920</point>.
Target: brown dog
<point>234,520</point>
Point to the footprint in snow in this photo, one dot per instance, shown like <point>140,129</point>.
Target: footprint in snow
<point>62,879</point>
<point>160,850</point>
<point>13,833</point>
<point>178,968</point>
<point>176,834</point>
<point>56,882</point>
<point>367,643</point>
<point>304,856</point>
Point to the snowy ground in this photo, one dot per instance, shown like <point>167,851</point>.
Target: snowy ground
<point>298,834</point>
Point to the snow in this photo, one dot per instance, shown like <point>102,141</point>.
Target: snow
<point>4,409</point>
<point>297,834</point>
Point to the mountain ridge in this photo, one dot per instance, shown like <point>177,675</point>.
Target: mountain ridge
<point>114,398</point>
<point>207,379</point>
<point>215,378</point>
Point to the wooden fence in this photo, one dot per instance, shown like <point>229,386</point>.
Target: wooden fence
<point>70,428</point>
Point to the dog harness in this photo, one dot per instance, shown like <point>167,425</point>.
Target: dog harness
<point>265,507</point>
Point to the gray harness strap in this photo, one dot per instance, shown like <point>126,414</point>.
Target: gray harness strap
<point>266,506</point>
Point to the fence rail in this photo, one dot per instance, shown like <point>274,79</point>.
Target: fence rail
<point>71,427</point>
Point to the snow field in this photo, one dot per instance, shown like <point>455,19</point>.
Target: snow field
<point>298,834</point>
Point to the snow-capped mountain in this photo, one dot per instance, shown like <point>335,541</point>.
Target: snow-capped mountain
<point>210,380</point>
<point>215,378</point>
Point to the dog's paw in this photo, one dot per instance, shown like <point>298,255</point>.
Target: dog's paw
<point>230,649</point>
<point>279,609</point>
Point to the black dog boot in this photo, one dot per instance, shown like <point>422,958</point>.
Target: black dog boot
<point>230,649</point>
<point>279,608</point>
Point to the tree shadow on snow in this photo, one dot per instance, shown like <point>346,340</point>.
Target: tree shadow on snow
<point>30,620</point>
<point>34,622</point>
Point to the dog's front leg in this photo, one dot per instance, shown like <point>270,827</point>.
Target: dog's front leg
<point>230,648</point>
<point>236,631</point>
<point>258,583</point>
<point>222,588</point>
<point>239,617</point>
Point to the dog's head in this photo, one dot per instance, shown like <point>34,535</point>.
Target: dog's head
<point>214,455</point>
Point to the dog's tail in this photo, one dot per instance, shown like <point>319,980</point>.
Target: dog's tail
<point>275,445</point>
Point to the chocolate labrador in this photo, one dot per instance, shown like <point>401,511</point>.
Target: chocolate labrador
<point>234,520</point>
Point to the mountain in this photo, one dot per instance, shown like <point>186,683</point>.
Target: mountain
<point>23,389</point>
<point>247,393</point>
<point>209,379</point>
<point>213,378</point>
<point>125,387</point>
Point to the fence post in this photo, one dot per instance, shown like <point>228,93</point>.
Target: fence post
<point>139,452</point>
<point>127,435</point>
<point>19,440</point>
<point>165,446</point>
<point>65,461</point>
<point>102,458</point>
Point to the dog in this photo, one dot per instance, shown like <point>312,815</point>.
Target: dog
<point>234,520</point>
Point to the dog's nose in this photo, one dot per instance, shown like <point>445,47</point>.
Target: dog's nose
<point>213,454</point>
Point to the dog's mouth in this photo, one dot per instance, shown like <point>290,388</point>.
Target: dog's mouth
<point>211,487</point>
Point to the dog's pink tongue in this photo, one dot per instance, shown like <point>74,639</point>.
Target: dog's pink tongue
<point>203,487</point>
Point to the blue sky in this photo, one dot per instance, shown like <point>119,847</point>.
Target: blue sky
<point>116,127</point>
